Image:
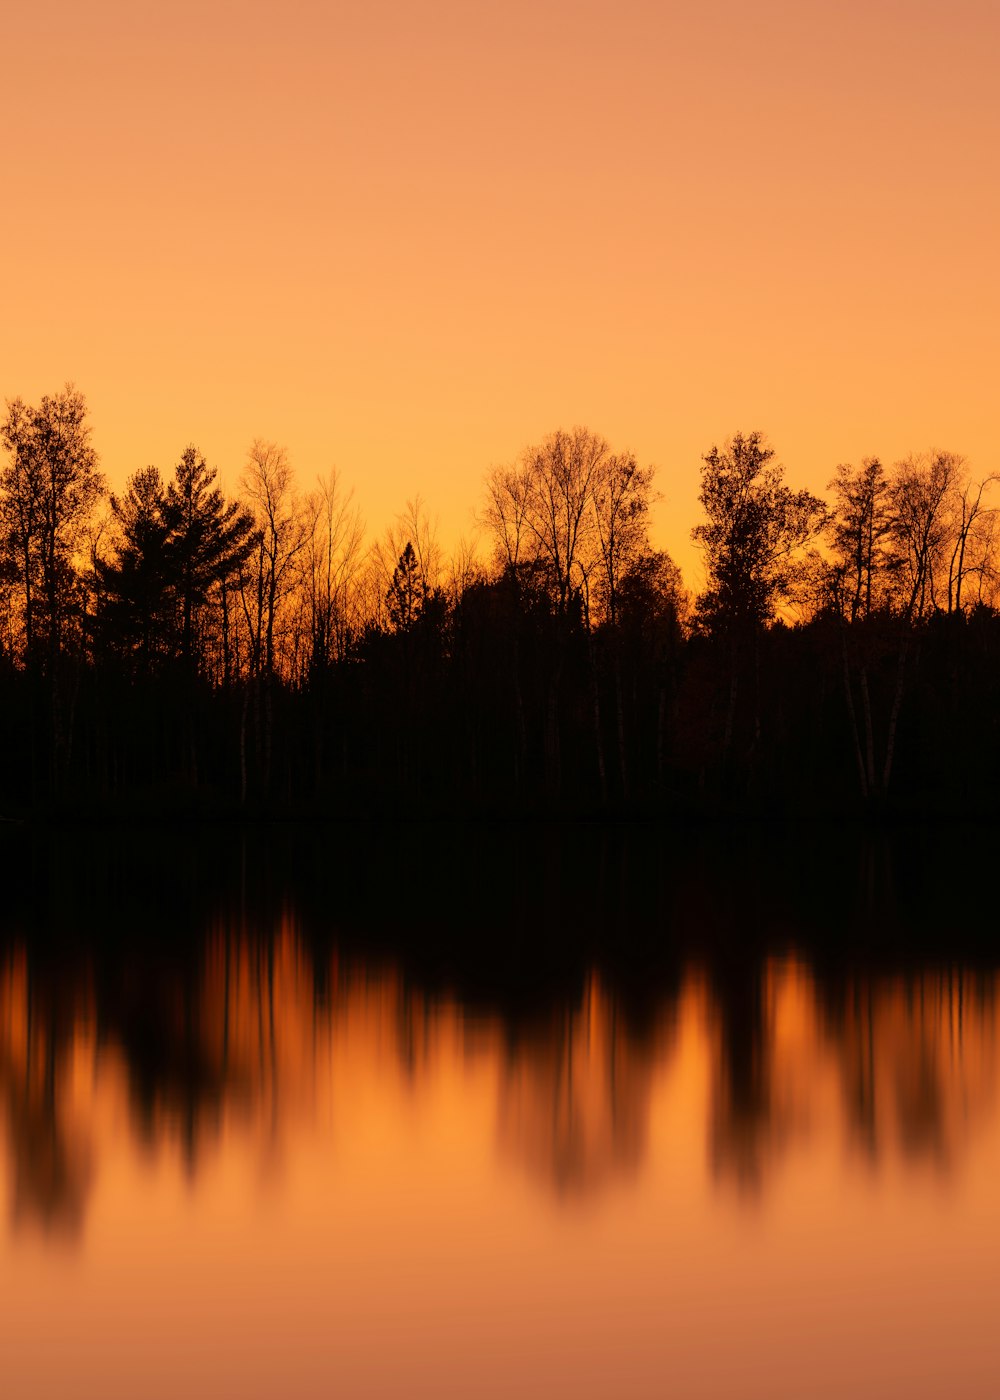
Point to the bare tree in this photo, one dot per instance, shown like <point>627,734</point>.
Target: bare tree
<point>505,515</point>
<point>860,531</point>
<point>972,536</point>
<point>266,580</point>
<point>412,527</point>
<point>282,534</point>
<point>560,475</point>
<point>462,570</point>
<point>333,559</point>
<point>621,497</point>
<point>921,491</point>
<point>985,536</point>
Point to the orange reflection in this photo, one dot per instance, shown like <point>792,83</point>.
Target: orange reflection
<point>45,1090</point>
<point>270,1043</point>
<point>296,1168</point>
<point>575,1094</point>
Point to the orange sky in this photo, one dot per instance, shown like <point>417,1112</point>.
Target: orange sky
<point>408,239</point>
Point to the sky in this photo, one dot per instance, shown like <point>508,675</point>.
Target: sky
<point>407,240</point>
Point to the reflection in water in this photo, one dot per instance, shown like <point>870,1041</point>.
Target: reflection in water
<point>45,1054</point>
<point>914,1059</point>
<point>750,1109</point>
<point>917,1057</point>
<point>574,1093</point>
<point>251,1039</point>
<point>581,1115</point>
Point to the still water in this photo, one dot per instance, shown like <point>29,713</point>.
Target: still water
<point>536,1113</point>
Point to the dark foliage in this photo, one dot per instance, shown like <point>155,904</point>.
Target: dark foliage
<point>202,657</point>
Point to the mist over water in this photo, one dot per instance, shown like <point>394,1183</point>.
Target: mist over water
<point>411,1110</point>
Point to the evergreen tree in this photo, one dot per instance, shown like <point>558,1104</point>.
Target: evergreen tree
<point>138,587</point>
<point>209,539</point>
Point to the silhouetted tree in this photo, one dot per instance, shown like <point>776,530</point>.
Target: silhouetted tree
<point>651,613</point>
<point>210,539</point>
<point>138,584</point>
<point>280,534</point>
<point>753,538</point>
<point>505,516</point>
<point>622,494</point>
<point>333,554</point>
<point>903,546</point>
<point>973,553</point>
<point>407,591</point>
<point>922,531</point>
<point>47,492</point>
<point>560,476</point>
<point>755,530</point>
<point>860,528</point>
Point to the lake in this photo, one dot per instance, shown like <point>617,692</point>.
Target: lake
<point>535,1111</point>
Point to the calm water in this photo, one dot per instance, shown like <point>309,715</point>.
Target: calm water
<point>542,1113</point>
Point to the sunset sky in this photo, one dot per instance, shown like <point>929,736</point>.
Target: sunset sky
<point>408,239</point>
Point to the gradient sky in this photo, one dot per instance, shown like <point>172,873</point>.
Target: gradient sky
<point>407,239</point>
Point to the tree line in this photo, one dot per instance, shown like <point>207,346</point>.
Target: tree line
<point>170,644</point>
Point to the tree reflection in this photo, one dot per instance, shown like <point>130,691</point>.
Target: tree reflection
<point>575,1093</point>
<point>915,1065</point>
<point>742,1121</point>
<point>226,1020</point>
<point>41,1040</point>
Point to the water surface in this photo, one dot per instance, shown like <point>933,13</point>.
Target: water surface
<point>508,1113</point>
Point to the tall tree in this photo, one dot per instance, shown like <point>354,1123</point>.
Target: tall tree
<point>407,592</point>
<point>922,493</point>
<point>973,529</point>
<point>333,555</point>
<point>505,516</point>
<point>47,492</point>
<point>137,584</point>
<point>560,476</point>
<point>755,530</point>
<point>281,533</point>
<point>753,538</point>
<point>860,532</point>
<point>622,493</point>
<point>210,539</point>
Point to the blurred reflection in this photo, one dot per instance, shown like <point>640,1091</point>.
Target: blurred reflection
<point>748,1116</point>
<point>246,1033</point>
<point>917,1056</point>
<point>906,1063</point>
<point>45,1051</point>
<point>575,1093</point>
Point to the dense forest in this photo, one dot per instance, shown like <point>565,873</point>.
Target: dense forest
<point>171,649</point>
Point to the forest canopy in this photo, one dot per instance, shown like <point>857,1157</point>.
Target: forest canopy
<point>172,643</point>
